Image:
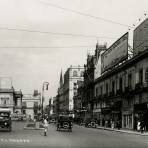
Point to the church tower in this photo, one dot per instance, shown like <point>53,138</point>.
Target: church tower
<point>61,79</point>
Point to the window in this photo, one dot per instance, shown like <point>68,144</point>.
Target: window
<point>101,90</point>
<point>82,74</point>
<point>107,88</point>
<point>24,111</point>
<point>5,102</point>
<point>75,74</point>
<point>113,86</point>
<point>130,80</point>
<point>97,91</point>
<point>146,74</point>
<point>74,86</point>
<point>141,76</point>
<point>120,84</point>
<point>35,104</point>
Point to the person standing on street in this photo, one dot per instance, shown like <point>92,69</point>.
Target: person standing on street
<point>45,127</point>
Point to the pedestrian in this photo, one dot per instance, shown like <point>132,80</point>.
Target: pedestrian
<point>45,127</point>
<point>138,126</point>
<point>118,124</point>
<point>142,125</point>
<point>112,125</point>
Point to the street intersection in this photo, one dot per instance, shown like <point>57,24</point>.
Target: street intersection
<point>81,137</point>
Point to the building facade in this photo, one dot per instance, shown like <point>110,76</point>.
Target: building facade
<point>68,88</point>
<point>91,72</point>
<point>121,91</point>
<point>31,105</point>
<point>9,97</point>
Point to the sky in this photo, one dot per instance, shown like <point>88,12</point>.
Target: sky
<point>32,51</point>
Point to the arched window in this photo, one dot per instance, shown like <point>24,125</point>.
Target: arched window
<point>82,74</point>
<point>75,74</point>
<point>146,74</point>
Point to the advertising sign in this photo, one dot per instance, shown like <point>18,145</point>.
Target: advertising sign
<point>115,54</point>
<point>140,39</point>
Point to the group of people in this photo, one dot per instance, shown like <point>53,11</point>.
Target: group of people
<point>111,123</point>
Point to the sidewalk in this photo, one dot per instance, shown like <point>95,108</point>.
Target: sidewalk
<point>124,131</point>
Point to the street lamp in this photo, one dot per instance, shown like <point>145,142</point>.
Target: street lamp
<point>44,87</point>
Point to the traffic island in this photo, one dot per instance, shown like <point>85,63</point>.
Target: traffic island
<point>34,126</point>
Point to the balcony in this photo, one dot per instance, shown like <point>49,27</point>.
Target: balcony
<point>128,89</point>
<point>111,94</point>
<point>138,86</point>
<point>119,91</point>
<point>105,95</point>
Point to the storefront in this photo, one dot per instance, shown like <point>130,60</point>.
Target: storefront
<point>127,116</point>
<point>141,114</point>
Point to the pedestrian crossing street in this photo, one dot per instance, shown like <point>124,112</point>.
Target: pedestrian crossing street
<point>15,140</point>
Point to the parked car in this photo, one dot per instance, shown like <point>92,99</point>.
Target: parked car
<point>52,121</point>
<point>5,119</point>
<point>89,122</point>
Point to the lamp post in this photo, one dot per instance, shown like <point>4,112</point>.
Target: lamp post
<point>44,87</point>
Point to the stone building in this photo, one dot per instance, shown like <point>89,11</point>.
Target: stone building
<point>9,97</point>
<point>121,90</point>
<point>31,105</point>
<point>91,72</point>
<point>68,88</point>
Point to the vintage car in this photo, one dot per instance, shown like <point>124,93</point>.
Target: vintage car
<point>5,119</point>
<point>64,122</point>
<point>89,122</point>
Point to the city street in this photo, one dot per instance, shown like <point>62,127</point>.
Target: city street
<point>81,137</point>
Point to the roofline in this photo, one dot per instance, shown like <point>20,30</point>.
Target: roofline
<point>126,64</point>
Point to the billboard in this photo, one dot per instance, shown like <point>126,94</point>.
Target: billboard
<point>115,54</point>
<point>140,38</point>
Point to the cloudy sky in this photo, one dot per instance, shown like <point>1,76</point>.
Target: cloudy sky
<point>30,52</point>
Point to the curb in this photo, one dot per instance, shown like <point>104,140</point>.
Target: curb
<point>122,131</point>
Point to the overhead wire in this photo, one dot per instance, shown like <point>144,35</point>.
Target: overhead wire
<point>55,33</point>
<point>84,14</point>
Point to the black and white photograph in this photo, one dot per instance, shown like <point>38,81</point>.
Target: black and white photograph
<point>73,73</point>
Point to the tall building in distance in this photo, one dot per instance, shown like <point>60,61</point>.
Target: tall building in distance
<point>68,88</point>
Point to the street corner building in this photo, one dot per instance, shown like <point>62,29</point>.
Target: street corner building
<point>9,97</point>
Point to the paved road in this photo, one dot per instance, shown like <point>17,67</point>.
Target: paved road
<point>80,138</point>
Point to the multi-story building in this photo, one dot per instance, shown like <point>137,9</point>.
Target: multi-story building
<point>121,89</point>
<point>18,101</point>
<point>9,98</point>
<point>91,72</point>
<point>78,98</point>
<point>68,88</point>
<point>31,105</point>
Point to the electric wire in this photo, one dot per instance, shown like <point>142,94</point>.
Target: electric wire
<point>84,14</point>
